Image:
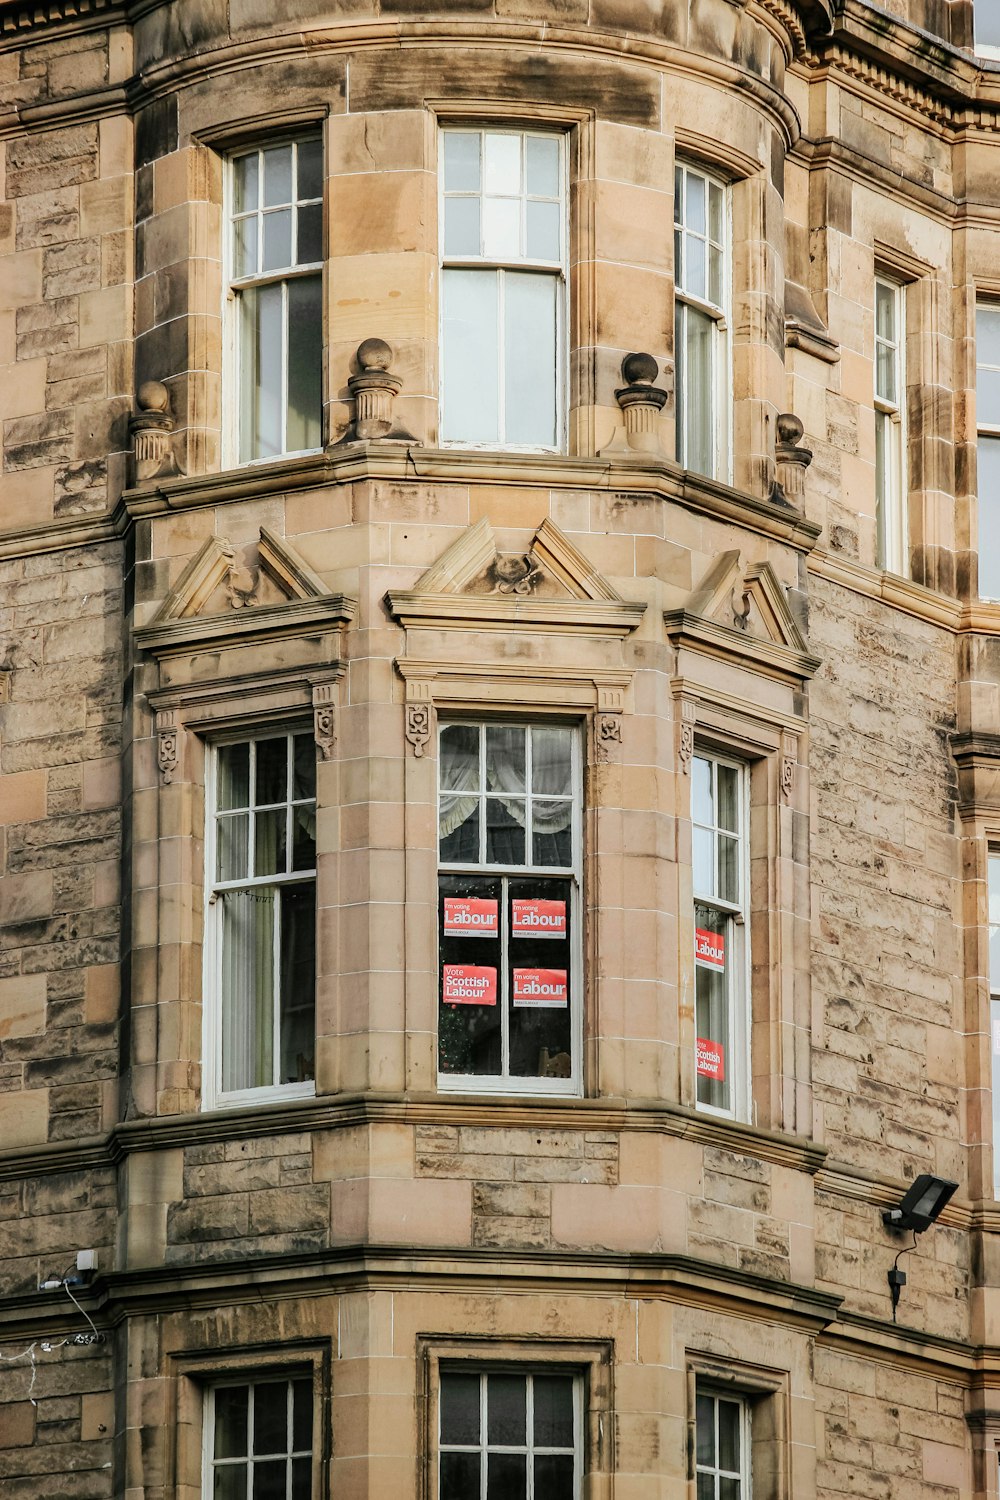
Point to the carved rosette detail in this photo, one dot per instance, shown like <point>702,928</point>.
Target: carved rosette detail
<point>167,745</point>
<point>418,726</point>
<point>324,720</point>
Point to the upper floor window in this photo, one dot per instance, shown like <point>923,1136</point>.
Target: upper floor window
<point>258,1441</point>
<point>506,1434</point>
<point>701,338</point>
<point>503,288</point>
<point>275,333</point>
<point>722,1446</point>
<point>261,932</point>
<point>719,880</point>
<point>988,446</point>
<point>509,908</point>
<point>994,966</point>
<point>890,427</point>
<point>986,22</point>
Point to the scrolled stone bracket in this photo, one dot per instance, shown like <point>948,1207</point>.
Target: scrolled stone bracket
<point>419,723</point>
<point>150,427</point>
<point>168,735</point>
<point>324,719</point>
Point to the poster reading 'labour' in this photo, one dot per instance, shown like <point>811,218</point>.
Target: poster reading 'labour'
<point>540,987</point>
<point>469,984</point>
<point>471,916</point>
<point>710,948</point>
<point>538,918</point>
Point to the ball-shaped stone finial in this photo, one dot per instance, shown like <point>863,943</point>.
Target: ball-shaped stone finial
<point>374,354</point>
<point>790,429</point>
<point>153,395</point>
<point>639,369</point>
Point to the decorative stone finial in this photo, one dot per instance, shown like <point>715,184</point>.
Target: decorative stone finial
<point>641,402</point>
<point>150,428</point>
<point>791,461</point>
<point>374,391</point>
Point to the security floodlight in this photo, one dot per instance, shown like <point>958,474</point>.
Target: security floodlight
<point>921,1205</point>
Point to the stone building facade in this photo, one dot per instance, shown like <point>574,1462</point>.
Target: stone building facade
<point>495,831</point>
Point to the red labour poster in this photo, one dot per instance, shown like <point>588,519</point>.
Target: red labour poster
<point>540,987</point>
<point>469,984</point>
<point>544,919</point>
<point>470,916</point>
<point>710,948</point>
<point>711,1060</point>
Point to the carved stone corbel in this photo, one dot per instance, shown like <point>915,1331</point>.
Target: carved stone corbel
<point>789,749</point>
<point>167,744</point>
<point>324,719</point>
<point>685,735</point>
<point>418,726</point>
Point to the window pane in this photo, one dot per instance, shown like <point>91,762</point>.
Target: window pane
<point>270,1417</point>
<point>716,215</point>
<point>309,246</point>
<point>245,255</point>
<point>303,767</point>
<point>696,268</point>
<point>304,838</point>
<point>705,1428</point>
<point>728,812</point>
<point>277,240</point>
<point>530,358</point>
<point>551,761</point>
<point>553,1397</point>
<point>988,398</point>
<point>540,978</point>
<point>988,335</point>
<point>231,1421</point>
<point>298,984</point>
<point>277,176</point>
<point>703,850</point>
<point>310,183</point>
<point>459,769</point>
<point>302,1416</point>
<point>305,363</point>
<point>505,820</point>
<point>270,843</point>
<point>543,166</point>
<point>247,989</point>
<point>729,1435</point>
<point>471,399</point>
<point>702,803</point>
<point>461,161</point>
<point>716,272</point>
<point>460,1408</point>
<point>544,220</point>
<point>729,1489</point>
<point>696,217</point>
<point>989,517</point>
<point>714,1062</point>
<point>261,372</point>
<point>506,1476</point>
<point>885,312</point>
<point>699,404</point>
<point>502,228</point>
<point>230,1482</point>
<point>994,922</point>
<point>272,771</point>
<point>458,826</point>
<point>245,183</point>
<point>995,1052</point>
<point>505,753</point>
<point>269,1480</point>
<point>469,1014</point>
<point>461,226</point>
<point>554,1476</point>
<point>460,1476</point>
<point>302,1479</point>
<point>506,1407</point>
<point>729,869</point>
<point>706,1487</point>
<point>886,374</point>
<point>232,851</point>
<point>552,831</point>
<point>233,776</point>
<point>501,163</point>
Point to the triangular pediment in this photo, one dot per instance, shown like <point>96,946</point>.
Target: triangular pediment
<point>551,585</point>
<point>240,590</point>
<point>742,611</point>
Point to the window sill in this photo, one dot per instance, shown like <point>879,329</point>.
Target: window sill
<point>253,1098</point>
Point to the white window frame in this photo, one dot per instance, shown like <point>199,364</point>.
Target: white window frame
<point>738,996</point>
<point>720,315</point>
<point>213,1095</point>
<point>984,429</point>
<point>504,1083</point>
<point>484,1447</point>
<point>209,1461</point>
<point>234,366</point>
<point>559,270</point>
<point>715,1472</point>
<point>891,511</point>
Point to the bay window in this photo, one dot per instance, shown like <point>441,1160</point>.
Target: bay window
<point>988,446</point>
<point>701,319</point>
<point>503,288</point>
<point>261,935</point>
<point>275,302</point>
<point>719,881</point>
<point>508,907</point>
<point>890,427</point>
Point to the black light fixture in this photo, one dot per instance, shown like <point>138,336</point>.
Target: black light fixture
<point>918,1209</point>
<point>921,1204</point>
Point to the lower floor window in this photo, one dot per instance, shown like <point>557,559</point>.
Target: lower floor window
<point>510,1435</point>
<point>259,1441</point>
<point>723,1448</point>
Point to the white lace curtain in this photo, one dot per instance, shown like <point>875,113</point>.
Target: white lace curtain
<point>505,780</point>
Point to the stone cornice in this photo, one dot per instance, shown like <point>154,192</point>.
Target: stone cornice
<point>900,593</point>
